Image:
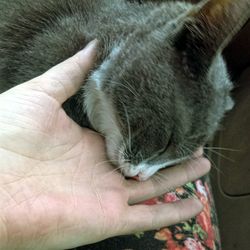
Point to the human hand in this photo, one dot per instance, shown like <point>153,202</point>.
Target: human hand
<point>57,189</point>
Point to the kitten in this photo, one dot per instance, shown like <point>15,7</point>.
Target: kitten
<point>160,86</point>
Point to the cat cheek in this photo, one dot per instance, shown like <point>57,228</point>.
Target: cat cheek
<point>111,149</point>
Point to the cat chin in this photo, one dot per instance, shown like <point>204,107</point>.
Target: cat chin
<point>145,170</point>
<point>142,171</point>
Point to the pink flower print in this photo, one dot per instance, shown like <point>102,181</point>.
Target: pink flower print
<point>192,244</point>
<point>152,201</point>
<point>170,197</point>
<point>203,219</point>
<point>201,189</point>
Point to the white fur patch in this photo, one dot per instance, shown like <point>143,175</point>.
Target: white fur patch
<point>145,170</point>
<point>100,109</point>
<point>99,74</point>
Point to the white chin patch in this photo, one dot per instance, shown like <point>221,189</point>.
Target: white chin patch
<point>144,170</point>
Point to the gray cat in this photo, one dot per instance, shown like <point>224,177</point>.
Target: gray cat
<point>160,86</point>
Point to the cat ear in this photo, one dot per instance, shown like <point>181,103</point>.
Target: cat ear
<point>207,29</point>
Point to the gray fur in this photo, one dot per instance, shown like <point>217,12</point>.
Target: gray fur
<point>167,91</point>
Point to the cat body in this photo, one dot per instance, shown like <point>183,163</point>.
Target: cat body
<point>160,86</point>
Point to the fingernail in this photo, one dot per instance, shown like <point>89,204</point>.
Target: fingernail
<point>90,48</point>
<point>198,153</point>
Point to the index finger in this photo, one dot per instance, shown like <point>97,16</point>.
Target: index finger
<point>65,79</point>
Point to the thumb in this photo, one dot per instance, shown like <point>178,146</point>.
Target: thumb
<point>64,79</point>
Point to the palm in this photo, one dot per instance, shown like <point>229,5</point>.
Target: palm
<point>73,160</point>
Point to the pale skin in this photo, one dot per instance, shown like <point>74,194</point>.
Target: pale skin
<point>57,189</point>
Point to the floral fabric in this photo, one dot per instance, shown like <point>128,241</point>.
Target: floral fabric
<point>199,233</point>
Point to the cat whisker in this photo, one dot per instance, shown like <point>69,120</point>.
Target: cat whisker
<point>182,152</point>
<point>141,156</point>
<point>116,169</point>
<point>162,177</point>
<point>220,154</point>
<point>103,162</point>
<point>224,149</point>
<point>131,88</point>
<point>190,156</point>
<point>125,86</point>
<point>129,128</point>
<point>213,165</point>
<point>157,179</point>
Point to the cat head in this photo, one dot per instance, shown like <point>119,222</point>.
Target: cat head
<point>162,91</point>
